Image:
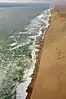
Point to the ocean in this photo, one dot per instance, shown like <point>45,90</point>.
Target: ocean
<point>19,28</point>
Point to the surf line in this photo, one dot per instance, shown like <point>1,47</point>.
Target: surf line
<point>39,46</point>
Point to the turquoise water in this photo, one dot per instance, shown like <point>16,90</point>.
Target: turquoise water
<point>19,28</point>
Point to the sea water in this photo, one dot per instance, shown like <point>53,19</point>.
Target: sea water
<point>19,28</point>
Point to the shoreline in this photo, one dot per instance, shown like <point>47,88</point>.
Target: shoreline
<point>40,43</point>
<point>51,78</point>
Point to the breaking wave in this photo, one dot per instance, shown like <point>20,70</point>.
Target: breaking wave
<point>17,57</point>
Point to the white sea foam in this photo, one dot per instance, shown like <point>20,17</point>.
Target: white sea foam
<point>21,89</point>
<point>11,37</point>
<point>19,45</point>
<point>20,33</point>
<point>35,23</point>
<point>13,44</point>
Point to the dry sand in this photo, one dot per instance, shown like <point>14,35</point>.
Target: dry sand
<point>51,79</point>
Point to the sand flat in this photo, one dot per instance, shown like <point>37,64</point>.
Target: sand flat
<point>51,78</point>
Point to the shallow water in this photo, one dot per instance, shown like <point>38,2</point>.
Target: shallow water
<point>19,28</point>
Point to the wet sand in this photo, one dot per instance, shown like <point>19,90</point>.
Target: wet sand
<point>51,76</point>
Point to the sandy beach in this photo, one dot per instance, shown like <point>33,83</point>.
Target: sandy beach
<point>51,77</point>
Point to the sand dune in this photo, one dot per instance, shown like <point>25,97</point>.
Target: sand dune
<point>51,78</point>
